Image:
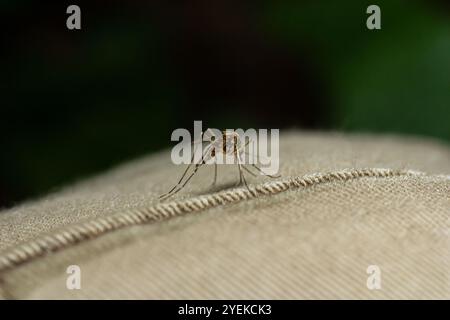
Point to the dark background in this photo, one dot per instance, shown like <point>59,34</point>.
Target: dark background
<point>74,103</point>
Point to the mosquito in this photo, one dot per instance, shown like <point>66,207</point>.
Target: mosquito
<point>229,144</point>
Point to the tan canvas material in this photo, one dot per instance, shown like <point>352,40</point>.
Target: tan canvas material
<point>343,203</point>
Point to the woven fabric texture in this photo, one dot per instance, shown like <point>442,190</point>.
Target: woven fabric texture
<point>344,203</point>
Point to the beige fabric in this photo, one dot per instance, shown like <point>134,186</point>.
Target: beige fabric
<point>309,240</point>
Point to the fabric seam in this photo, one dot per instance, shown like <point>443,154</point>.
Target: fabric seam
<point>73,234</point>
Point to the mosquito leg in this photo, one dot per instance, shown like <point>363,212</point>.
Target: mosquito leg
<point>241,174</point>
<point>198,165</point>
<point>248,170</point>
<point>215,174</point>
<point>243,178</point>
<point>187,169</point>
<point>240,177</point>
<point>178,183</point>
<point>174,189</point>
<point>261,171</point>
<point>180,186</point>
<point>269,175</point>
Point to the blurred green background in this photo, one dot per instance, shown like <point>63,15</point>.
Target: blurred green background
<point>75,103</point>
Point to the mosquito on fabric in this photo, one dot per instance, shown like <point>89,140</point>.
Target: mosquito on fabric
<point>228,144</point>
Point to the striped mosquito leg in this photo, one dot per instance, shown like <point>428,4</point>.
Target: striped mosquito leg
<point>241,174</point>
<point>269,175</point>
<point>177,184</point>
<point>183,175</point>
<point>197,165</point>
<point>215,174</point>
<point>246,169</point>
<point>260,170</point>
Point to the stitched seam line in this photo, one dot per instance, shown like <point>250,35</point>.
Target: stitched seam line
<point>74,234</point>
